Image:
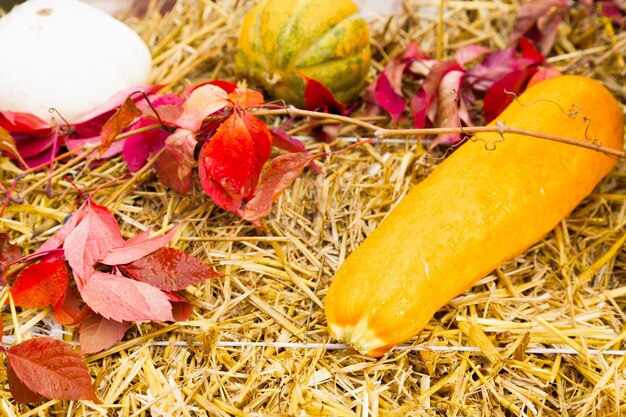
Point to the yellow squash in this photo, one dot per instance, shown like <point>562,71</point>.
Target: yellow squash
<point>475,211</point>
<point>326,40</point>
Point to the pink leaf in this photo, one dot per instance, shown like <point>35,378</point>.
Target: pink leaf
<point>424,102</point>
<point>138,148</point>
<point>56,240</point>
<point>115,149</point>
<point>29,145</point>
<point>18,122</point>
<point>168,106</point>
<point>542,75</point>
<point>121,299</point>
<point>201,103</point>
<point>469,53</point>
<point>94,237</point>
<point>281,173</point>
<point>133,249</point>
<point>97,333</point>
<point>108,107</point>
<point>451,110</point>
<point>389,99</point>
<point>51,368</point>
<point>175,166</point>
<point>538,20</point>
<point>181,146</point>
<point>169,270</point>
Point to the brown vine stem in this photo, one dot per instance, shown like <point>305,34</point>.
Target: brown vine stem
<point>87,150</point>
<point>382,133</point>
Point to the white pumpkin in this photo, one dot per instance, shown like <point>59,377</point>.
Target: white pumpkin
<point>66,55</point>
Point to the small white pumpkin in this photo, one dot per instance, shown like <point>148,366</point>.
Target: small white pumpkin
<point>66,55</point>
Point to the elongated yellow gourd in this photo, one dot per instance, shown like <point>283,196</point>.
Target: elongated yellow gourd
<point>476,210</point>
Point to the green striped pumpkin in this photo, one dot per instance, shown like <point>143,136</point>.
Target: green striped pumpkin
<point>326,40</point>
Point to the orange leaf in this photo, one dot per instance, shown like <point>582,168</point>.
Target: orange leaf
<point>121,119</point>
<point>281,173</point>
<point>7,144</point>
<point>243,97</point>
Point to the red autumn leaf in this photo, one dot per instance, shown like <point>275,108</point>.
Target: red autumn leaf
<point>201,103</point>
<point>121,119</point>
<point>167,169</point>
<point>262,143</point>
<point>182,311</point>
<point>68,311</point>
<point>181,308</point>
<point>119,298</point>
<point>231,161</point>
<point>175,166</point>
<point>40,285</point>
<point>137,247</point>
<point>538,20</point>
<point>169,269</point>
<point>388,98</point>
<point>499,96</point>
<point>19,390</point>
<point>51,368</point>
<point>91,240</point>
<point>319,98</point>
<point>97,333</point>
<point>281,173</point>
<point>282,140</point>
<point>9,253</point>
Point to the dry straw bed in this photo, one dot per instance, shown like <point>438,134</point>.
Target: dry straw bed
<point>541,336</point>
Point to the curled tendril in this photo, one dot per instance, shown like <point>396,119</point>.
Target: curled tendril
<point>573,113</point>
<point>64,128</point>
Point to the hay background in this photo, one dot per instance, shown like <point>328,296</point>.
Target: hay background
<point>568,291</point>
